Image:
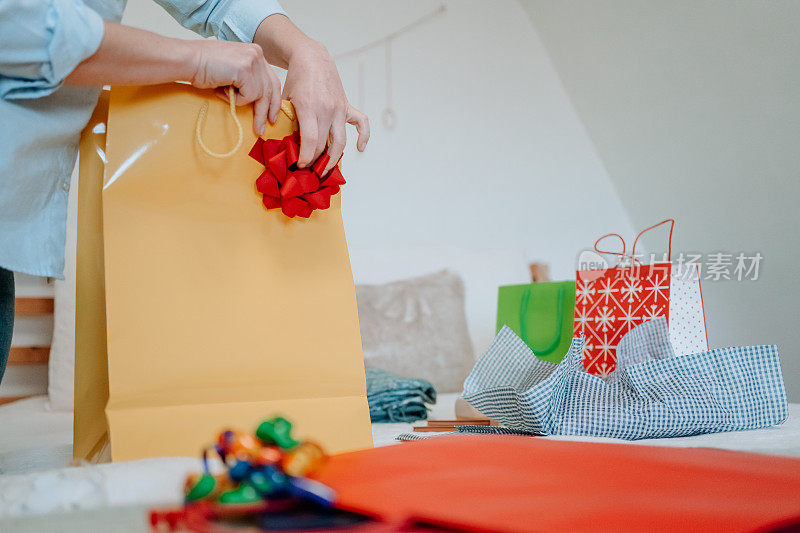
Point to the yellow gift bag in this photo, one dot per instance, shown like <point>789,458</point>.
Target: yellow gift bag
<point>197,308</point>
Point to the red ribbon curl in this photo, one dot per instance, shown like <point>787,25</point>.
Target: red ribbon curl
<point>297,191</point>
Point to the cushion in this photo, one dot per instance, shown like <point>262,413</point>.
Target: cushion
<point>417,328</point>
<point>482,269</point>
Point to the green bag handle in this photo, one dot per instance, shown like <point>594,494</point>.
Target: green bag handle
<point>523,330</point>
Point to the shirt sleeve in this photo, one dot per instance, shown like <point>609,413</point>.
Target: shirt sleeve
<point>231,20</point>
<point>41,42</point>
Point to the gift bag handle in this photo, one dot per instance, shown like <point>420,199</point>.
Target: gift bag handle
<point>671,222</point>
<point>201,118</point>
<point>523,329</point>
<point>286,107</point>
<point>622,255</point>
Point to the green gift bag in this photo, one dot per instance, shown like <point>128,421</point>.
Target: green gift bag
<point>541,314</point>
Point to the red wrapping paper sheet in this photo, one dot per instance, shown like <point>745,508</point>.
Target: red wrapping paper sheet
<point>508,483</point>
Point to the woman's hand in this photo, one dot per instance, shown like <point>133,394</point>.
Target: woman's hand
<point>222,63</point>
<point>314,87</point>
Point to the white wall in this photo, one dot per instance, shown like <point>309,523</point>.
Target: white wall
<point>487,151</point>
<point>488,159</point>
<point>694,107</point>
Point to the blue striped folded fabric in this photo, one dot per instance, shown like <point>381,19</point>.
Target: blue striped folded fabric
<point>651,394</point>
<point>394,398</point>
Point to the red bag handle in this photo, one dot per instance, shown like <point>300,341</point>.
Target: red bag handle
<point>671,228</point>
<point>622,255</point>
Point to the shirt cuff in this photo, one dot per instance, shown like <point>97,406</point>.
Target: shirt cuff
<point>244,17</point>
<point>75,32</point>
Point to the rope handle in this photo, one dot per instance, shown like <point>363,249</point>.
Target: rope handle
<point>286,107</point>
<point>201,118</point>
<point>523,327</point>
<point>622,255</point>
<point>671,228</point>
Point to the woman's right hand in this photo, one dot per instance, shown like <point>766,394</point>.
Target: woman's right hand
<point>222,63</point>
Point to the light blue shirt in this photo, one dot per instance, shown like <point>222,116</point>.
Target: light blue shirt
<point>41,42</point>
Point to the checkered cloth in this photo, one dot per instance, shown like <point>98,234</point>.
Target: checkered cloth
<point>651,393</point>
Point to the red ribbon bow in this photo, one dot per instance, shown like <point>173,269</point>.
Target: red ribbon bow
<point>297,191</point>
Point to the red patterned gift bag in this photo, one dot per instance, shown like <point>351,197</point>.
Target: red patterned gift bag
<point>610,302</point>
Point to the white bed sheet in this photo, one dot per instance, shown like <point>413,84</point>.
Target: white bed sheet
<point>32,437</point>
<point>778,440</point>
<point>35,438</point>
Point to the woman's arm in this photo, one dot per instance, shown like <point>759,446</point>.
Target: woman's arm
<point>130,56</point>
<point>312,81</point>
<point>314,87</point>
<point>41,43</point>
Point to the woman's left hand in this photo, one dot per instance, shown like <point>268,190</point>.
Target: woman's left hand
<point>313,86</point>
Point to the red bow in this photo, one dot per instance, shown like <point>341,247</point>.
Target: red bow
<point>297,191</point>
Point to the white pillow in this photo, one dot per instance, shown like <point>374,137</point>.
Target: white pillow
<point>482,269</point>
<point>417,328</point>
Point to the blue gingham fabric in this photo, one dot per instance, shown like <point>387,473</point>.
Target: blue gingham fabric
<point>651,394</point>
